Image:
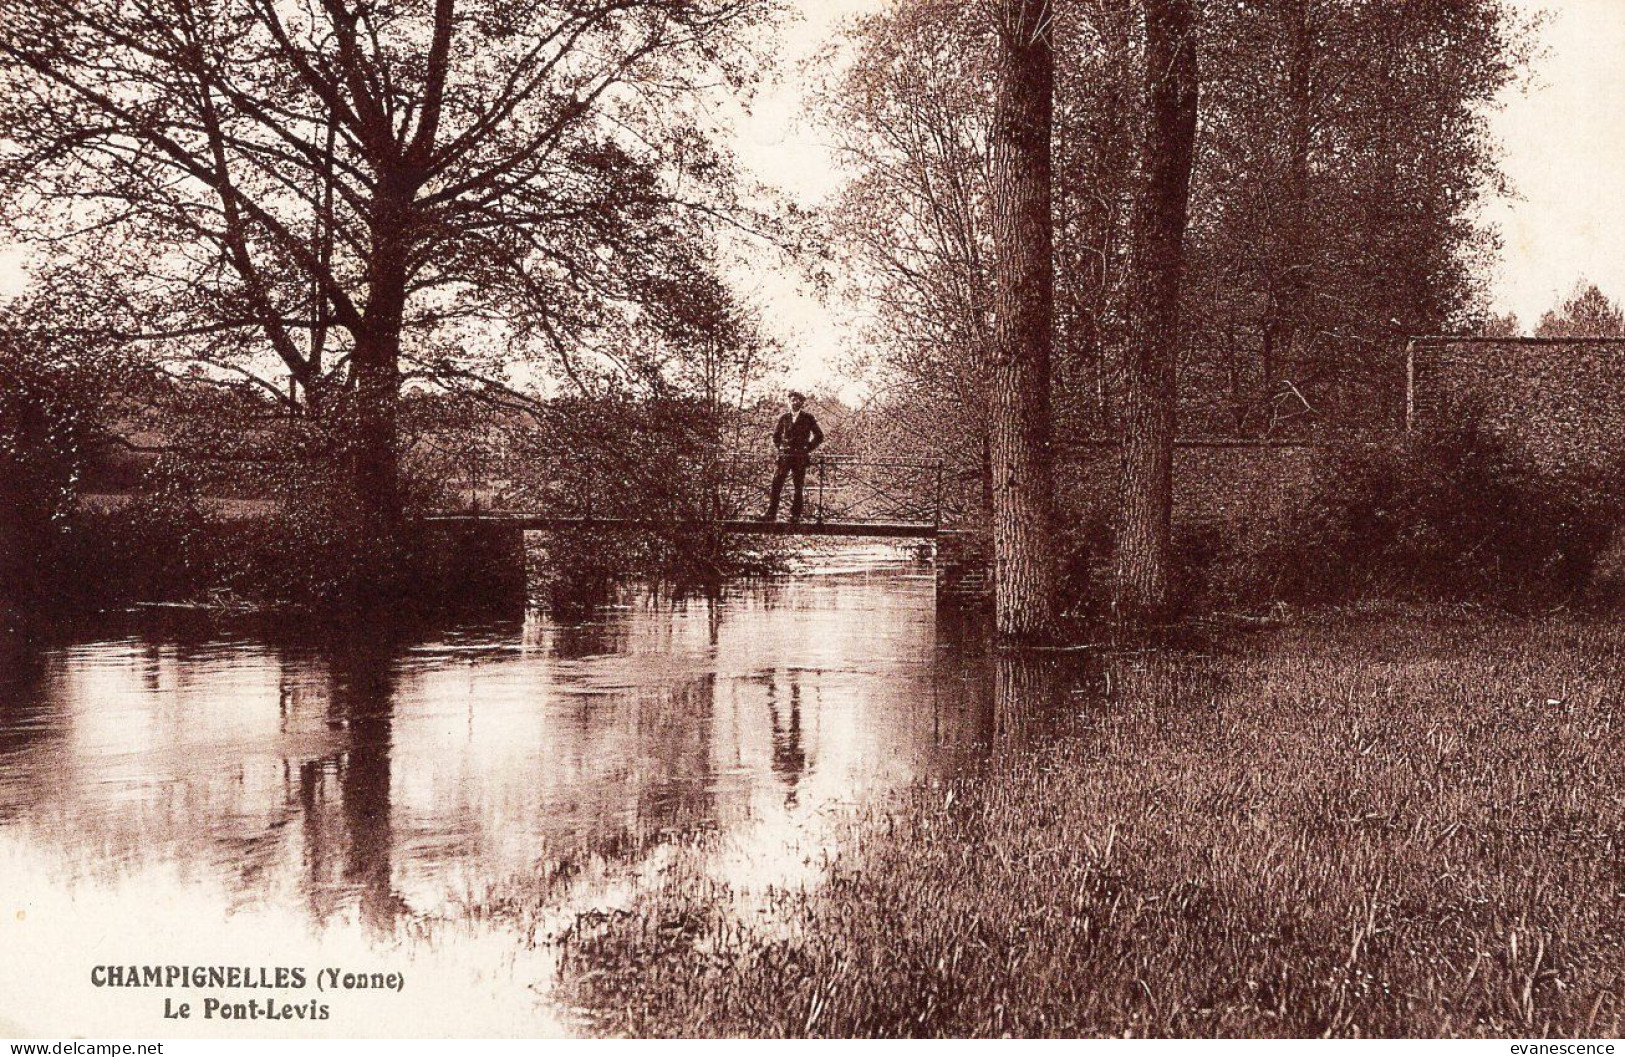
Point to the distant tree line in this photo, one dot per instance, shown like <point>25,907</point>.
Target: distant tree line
<point>1342,150</point>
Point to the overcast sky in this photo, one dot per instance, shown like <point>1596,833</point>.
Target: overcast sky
<point>1564,138</point>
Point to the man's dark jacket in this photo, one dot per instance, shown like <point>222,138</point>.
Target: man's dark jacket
<point>797,433</point>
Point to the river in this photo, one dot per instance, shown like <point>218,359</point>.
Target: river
<point>178,794</point>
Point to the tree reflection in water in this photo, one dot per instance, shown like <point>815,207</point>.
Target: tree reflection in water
<point>383,781</point>
<point>348,846</point>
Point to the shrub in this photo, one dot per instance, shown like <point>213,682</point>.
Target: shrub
<point>297,548</point>
<point>1452,514</point>
<point>53,397</point>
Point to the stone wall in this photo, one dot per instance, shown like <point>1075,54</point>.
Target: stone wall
<point>1562,404</point>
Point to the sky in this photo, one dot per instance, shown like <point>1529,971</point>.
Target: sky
<point>778,143</point>
<point>1563,136</point>
<point>1564,142</point>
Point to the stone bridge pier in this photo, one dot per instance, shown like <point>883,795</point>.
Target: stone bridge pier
<point>509,562</point>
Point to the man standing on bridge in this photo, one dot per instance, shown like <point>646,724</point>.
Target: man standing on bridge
<point>795,438</point>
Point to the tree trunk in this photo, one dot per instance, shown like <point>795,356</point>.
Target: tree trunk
<point>376,462</point>
<point>1100,219</point>
<point>985,512</point>
<point>1292,280</point>
<point>374,446</point>
<point>1144,587</point>
<point>1024,309</point>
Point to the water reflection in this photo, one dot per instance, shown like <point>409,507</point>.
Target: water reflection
<point>1007,700</point>
<point>237,792</point>
<point>1032,696</point>
<point>789,754</point>
<point>377,781</point>
<point>344,796</point>
<point>24,723</point>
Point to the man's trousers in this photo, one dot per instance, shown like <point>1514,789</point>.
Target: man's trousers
<point>793,466</point>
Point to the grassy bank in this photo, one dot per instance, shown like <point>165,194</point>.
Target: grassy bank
<point>1377,828</point>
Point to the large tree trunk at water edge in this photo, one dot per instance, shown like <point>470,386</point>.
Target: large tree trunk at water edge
<point>1144,587</point>
<point>1024,309</point>
<point>375,470</point>
<point>374,444</point>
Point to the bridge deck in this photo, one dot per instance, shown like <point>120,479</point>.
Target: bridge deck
<point>535,522</point>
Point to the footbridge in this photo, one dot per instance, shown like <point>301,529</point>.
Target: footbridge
<point>844,496</point>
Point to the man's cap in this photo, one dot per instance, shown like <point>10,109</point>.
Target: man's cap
<point>796,394</point>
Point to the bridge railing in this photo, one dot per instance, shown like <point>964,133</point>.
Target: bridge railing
<point>838,488</point>
<point>731,486</point>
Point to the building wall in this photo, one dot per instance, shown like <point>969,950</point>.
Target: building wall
<point>1562,404</point>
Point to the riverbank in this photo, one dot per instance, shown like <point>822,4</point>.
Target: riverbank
<point>1376,827</point>
<point>234,557</point>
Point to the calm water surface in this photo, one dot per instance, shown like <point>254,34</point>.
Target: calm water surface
<point>351,794</point>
